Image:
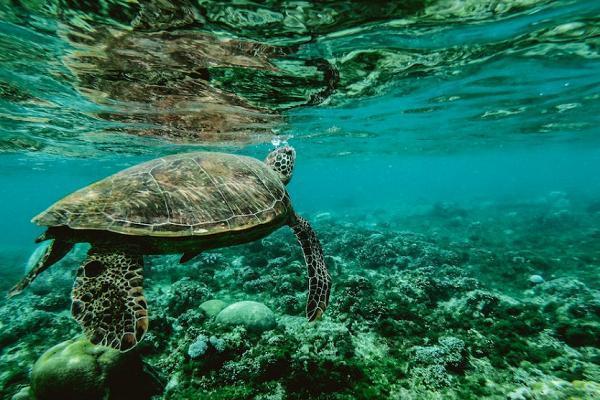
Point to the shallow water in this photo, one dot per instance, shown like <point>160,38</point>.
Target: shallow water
<point>448,151</point>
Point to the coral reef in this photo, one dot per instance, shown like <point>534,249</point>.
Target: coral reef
<point>446,307</point>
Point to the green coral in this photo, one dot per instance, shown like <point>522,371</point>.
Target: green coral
<point>76,369</point>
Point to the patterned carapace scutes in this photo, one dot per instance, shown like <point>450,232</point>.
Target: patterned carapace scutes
<point>190,194</point>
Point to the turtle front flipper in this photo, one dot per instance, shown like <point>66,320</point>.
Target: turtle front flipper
<point>108,299</point>
<point>51,254</point>
<point>319,281</point>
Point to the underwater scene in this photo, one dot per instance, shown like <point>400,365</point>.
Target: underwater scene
<point>290,199</point>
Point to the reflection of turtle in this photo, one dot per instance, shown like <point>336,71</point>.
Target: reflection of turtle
<point>194,87</point>
<point>158,83</point>
<point>183,203</point>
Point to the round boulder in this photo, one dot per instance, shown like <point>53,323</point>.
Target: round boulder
<point>254,316</point>
<point>77,369</point>
<point>212,307</point>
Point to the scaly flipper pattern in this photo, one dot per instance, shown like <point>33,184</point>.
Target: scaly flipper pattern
<point>319,281</point>
<point>108,299</point>
<point>55,251</point>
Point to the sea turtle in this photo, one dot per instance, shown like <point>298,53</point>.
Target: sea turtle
<point>183,203</point>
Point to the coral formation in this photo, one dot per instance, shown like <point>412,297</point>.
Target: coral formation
<point>76,369</point>
<point>212,307</point>
<point>443,308</point>
<point>251,315</point>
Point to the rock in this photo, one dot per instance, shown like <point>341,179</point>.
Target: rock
<point>212,307</point>
<point>536,279</point>
<point>77,369</point>
<point>252,315</point>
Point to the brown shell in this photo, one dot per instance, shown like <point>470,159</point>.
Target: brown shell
<point>191,194</point>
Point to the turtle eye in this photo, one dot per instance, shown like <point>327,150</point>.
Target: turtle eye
<point>289,153</point>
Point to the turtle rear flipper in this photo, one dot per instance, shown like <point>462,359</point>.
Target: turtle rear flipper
<point>319,281</point>
<point>53,253</point>
<point>108,299</point>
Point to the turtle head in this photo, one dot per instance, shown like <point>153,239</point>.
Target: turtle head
<point>281,160</point>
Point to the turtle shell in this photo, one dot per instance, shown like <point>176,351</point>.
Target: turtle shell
<point>192,194</point>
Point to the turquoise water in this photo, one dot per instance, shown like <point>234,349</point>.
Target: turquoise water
<point>447,157</point>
